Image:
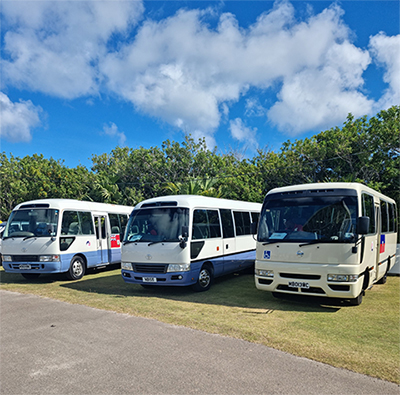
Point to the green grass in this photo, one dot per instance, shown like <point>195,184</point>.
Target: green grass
<point>364,338</point>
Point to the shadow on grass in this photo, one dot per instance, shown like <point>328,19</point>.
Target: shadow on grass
<point>234,290</point>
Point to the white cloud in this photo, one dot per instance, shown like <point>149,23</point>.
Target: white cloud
<point>18,119</point>
<point>180,70</point>
<point>55,46</point>
<point>243,134</point>
<point>184,72</point>
<point>320,97</point>
<point>112,131</point>
<point>386,51</point>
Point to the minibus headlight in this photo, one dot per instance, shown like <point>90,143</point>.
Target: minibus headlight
<point>178,268</point>
<point>49,258</point>
<point>126,266</point>
<point>343,278</point>
<point>265,273</point>
<point>7,258</point>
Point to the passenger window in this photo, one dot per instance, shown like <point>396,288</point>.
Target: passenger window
<point>205,224</point>
<point>392,217</point>
<point>384,217</point>
<point>70,223</point>
<point>227,223</point>
<point>242,223</point>
<point>368,210</point>
<point>86,223</point>
<point>77,223</point>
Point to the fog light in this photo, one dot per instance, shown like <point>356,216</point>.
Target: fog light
<point>265,273</point>
<point>343,278</point>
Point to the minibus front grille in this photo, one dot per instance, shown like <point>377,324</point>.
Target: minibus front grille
<point>143,268</point>
<point>300,276</point>
<point>25,258</point>
<point>311,290</point>
<point>35,266</point>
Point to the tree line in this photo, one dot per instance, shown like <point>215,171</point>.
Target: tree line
<point>363,150</point>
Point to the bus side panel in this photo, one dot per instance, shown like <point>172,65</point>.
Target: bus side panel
<point>213,250</point>
<point>115,250</point>
<point>82,245</point>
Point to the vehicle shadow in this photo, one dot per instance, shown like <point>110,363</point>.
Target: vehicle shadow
<point>235,290</point>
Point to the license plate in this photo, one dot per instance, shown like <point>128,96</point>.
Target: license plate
<point>149,279</point>
<point>298,284</point>
<point>25,267</point>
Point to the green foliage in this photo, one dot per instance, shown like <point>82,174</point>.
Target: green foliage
<point>38,178</point>
<point>363,150</point>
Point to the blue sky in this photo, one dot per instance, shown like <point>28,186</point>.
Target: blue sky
<point>79,78</point>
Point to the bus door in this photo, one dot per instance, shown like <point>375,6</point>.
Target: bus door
<point>101,238</point>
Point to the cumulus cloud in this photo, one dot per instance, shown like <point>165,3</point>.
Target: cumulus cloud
<point>243,134</point>
<point>112,131</point>
<point>386,51</point>
<point>180,70</point>
<point>18,119</point>
<point>55,46</point>
<point>188,74</point>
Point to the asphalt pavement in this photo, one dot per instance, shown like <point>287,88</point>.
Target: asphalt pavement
<point>52,347</point>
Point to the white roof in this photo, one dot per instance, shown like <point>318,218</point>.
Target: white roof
<point>191,201</point>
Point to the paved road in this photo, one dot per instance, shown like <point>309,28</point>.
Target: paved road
<point>51,347</point>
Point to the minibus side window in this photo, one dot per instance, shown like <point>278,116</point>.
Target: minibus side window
<point>368,210</point>
<point>384,217</point>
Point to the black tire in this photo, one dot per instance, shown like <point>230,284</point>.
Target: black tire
<point>383,279</point>
<point>357,301</point>
<point>205,279</point>
<point>30,276</point>
<point>76,268</point>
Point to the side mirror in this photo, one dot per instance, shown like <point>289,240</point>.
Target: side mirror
<point>253,228</point>
<point>362,227</point>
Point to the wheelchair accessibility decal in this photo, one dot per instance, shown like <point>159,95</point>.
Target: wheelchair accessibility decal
<point>267,254</point>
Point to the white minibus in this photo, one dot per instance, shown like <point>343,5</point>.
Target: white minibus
<point>188,240</point>
<point>330,239</point>
<point>63,236</point>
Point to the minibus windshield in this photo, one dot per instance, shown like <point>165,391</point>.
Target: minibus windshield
<point>37,222</point>
<point>156,224</point>
<point>308,219</point>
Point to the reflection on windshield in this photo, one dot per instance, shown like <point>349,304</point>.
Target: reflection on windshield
<point>32,223</point>
<point>156,224</point>
<point>305,219</point>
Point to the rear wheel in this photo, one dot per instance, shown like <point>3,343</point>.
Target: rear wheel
<point>204,280</point>
<point>30,276</point>
<point>76,269</point>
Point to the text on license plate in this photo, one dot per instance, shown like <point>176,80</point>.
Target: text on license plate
<point>25,267</point>
<point>149,279</point>
<point>298,284</point>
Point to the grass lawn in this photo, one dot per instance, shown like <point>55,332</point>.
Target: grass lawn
<point>363,338</point>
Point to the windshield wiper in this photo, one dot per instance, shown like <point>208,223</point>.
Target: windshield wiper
<point>315,241</point>
<point>161,241</point>
<point>28,237</point>
<point>272,242</point>
<point>128,242</point>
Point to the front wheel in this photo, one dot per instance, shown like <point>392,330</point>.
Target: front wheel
<point>204,280</point>
<point>76,269</point>
<point>357,301</point>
